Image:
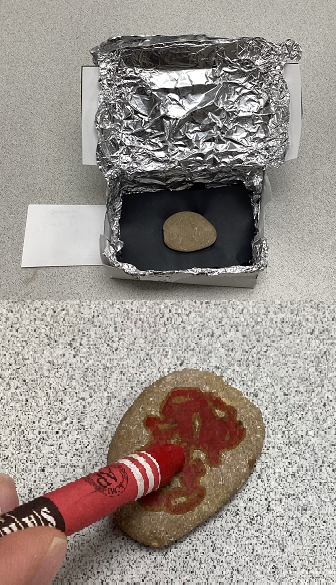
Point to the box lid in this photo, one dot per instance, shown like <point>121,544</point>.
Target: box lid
<point>191,108</point>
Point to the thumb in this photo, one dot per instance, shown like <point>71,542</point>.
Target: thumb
<point>32,556</point>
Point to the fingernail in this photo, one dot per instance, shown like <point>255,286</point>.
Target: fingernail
<point>51,563</point>
<point>8,494</point>
<point>4,477</point>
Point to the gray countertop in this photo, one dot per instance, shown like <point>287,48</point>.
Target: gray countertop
<point>70,371</point>
<point>44,46</point>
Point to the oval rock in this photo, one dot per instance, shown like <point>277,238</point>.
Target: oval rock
<point>187,231</point>
<point>222,435</point>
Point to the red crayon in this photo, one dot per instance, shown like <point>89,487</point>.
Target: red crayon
<point>89,499</point>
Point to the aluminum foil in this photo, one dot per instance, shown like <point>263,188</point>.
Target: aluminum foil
<point>173,111</point>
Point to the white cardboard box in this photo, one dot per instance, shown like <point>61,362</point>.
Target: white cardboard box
<point>90,92</point>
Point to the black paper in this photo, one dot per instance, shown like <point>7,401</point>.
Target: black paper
<point>228,208</point>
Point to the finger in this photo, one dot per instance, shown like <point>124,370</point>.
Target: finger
<point>8,496</point>
<point>32,556</point>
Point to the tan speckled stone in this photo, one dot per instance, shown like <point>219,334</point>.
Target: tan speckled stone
<point>222,478</point>
<point>187,232</point>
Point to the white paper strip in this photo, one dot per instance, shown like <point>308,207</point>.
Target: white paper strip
<point>63,235</point>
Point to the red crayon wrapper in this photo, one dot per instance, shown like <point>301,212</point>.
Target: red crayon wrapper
<point>89,499</point>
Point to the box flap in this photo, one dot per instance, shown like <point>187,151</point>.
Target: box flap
<point>179,109</point>
<point>90,94</point>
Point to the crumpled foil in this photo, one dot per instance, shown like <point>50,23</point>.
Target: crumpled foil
<point>173,111</point>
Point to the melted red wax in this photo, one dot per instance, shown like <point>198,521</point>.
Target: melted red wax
<point>196,420</point>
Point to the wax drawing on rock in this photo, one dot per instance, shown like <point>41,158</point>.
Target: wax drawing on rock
<point>199,421</point>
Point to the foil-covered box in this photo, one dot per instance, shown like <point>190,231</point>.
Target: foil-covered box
<point>189,123</point>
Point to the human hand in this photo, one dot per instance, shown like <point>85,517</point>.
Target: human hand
<point>32,556</point>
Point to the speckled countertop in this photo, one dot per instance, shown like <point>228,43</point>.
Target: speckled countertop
<point>69,372</point>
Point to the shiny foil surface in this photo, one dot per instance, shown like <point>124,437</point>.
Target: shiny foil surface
<point>174,111</point>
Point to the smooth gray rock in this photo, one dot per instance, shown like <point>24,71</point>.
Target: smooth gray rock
<point>188,231</point>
